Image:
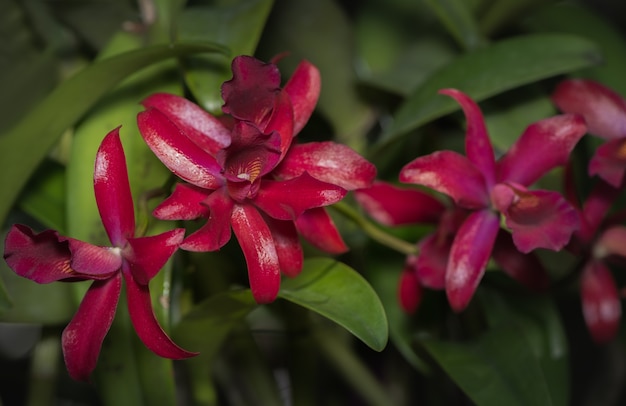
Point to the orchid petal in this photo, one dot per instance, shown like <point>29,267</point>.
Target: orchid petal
<point>611,242</point>
<point>318,228</point>
<point>92,261</point>
<point>147,255</point>
<point>329,162</point>
<point>478,147</point>
<point>595,209</point>
<point>181,155</point>
<point>303,89</point>
<point>543,146</point>
<point>83,336</point>
<point>432,261</point>
<point>257,244</point>
<point>469,255</point>
<point>393,206</point>
<point>409,289</point>
<point>185,203</point>
<point>145,323</point>
<point>286,200</point>
<point>281,122</point>
<point>609,162</point>
<point>216,232</point>
<point>602,308</point>
<point>603,109</point>
<point>112,190</point>
<point>524,268</point>
<point>288,248</point>
<point>199,126</point>
<point>450,173</point>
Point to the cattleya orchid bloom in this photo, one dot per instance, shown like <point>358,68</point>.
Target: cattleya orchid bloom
<point>605,113</point>
<point>243,171</point>
<point>486,187</point>
<point>47,257</point>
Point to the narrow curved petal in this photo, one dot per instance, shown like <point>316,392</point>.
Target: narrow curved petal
<point>609,162</point>
<point>409,289</point>
<point>147,255</point>
<point>543,146</point>
<point>392,206</point>
<point>524,268</point>
<point>198,125</point>
<point>432,262</point>
<point>478,147</point>
<point>112,190</point>
<point>257,244</point>
<point>145,323</point>
<point>469,255</point>
<point>611,242</point>
<point>185,203</point>
<point>286,200</point>
<point>181,155</point>
<point>83,336</point>
<point>216,232</point>
<point>601,303</point>
<point>329,162</point>
<point>449,173</point>
<point>303,89</point>
<point>595,209</point>
<point>318,228</point>
<point>603,109</point>
<point>287,243</point>
<point>281,122</point>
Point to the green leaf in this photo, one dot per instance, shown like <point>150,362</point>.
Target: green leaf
<point>44,196</point>
<point>340,294</point>
<point>489,71</point>
<point>457,17</point>
<point>25,146</point>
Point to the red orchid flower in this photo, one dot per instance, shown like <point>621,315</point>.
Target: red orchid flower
<point>47,257</point>
<point>479,183</point>
<point>244,173</point>
<point>605,113</point>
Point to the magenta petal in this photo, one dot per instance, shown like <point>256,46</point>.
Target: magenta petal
<point>601,302</point>
<point>83,336</point>
<point>216,233</point>
<point>288,248</point>
<point>595,209</point>
<point>450,173</point>
<point>93,261</point>
<point>329,162</point>
<point>409,289</point>
<point>543,146</point>
<point>469,255</point>
<point>392,206</point>
<point>198,125</point>
<point>318,228</point>
<point>110,182</point>
<point>432,261</point>
<point>611,242</point>
<point>181,155</point>
<point>147,255</point>
<point>609,162</point>
<point>524,268</point>
<point>185,203</point>
<point>303,89</point>
<point>259,249</point>
<point>286,200</point>
<point>603,109</point>
<point>145,323</point>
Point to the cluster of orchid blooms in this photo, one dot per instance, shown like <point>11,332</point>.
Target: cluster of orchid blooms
<point>242,171</point>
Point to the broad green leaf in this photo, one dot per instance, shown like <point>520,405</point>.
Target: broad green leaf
<point>457,17</point>
<point>501,14</point>
<point>26,144</point>
<point>44,196</point>
<point>489,71</point>
<point>340,294</point>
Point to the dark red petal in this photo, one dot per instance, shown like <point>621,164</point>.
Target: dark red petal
<point>524,268</point>
<point>603,109</point>
<point>469,255</point>
<point>259,249</point>
<point>409,289</point>
<point>216,232</point>
<point>92,261</point>
<point>110,182</point>
<point>281,122</point>
<point>198,125</point>
<point>543,146</point>
<point>286,200</point>
<point>147,255</point>
<point>450,173</point>
<point>392,206</point>
<point>303,89</point>
<point>595,209</point>
<point>182,156</point>
<point>318,228</point>
<point>82,338</point>
<point>329,162</point>
<point>478,147</point>
<point>145,323</point>
<point>609,162</point>
<point>432,261</point>
<point>185,203</point>
<point>288,248</point>
<point>601,302</point>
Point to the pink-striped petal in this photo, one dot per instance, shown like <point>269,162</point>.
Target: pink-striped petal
<point>524,268</point>
<point>543,146</point>
<point>469,255</point>
<point>601,304</point>
<point>288,248</point>
<point>478,147</point>
<point>603,109</point>
<point>199,126</point>
<point>409,289</point>
<point>216,233</point>
<point>329,162</point>
<point>181,155</point>
<point>112,190</point>
<point>147,255</point>
<point>257,244</point>
<point>318,228</point>
<point>609,162</point>
<point>286,200</point>
<point>303,89</point>
<point>449,173</point>
<point>83,336</point>
<point>432,262</point>
<point>185,203</point>
<point>392,206</point>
